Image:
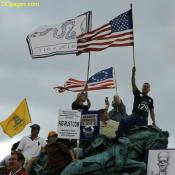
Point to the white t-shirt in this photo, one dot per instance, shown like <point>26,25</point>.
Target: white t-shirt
<point>31,148</point>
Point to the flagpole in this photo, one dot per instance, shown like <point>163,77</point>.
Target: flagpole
<point>133,55</point>
<point>89,54</point>
<point>133,51</point>
<point>115,83</point>
<point>89,57</point>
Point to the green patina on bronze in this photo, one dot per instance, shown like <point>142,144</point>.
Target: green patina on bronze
<point>126,157</point>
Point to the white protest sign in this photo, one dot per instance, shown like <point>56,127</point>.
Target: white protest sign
<point>69,124</point>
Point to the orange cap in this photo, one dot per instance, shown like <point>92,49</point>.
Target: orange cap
<point>52,133</point>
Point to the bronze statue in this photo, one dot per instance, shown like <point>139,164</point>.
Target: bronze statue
<point>126,157</point>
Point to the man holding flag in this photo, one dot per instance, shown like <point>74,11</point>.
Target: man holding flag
<point>143,104</point>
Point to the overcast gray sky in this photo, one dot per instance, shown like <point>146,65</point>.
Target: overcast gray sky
<point>34,79</point>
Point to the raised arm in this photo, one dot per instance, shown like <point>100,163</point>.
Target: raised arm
<point>133,81</point>
<point>106,103</point>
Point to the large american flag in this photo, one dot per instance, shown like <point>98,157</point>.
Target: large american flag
<point>101,80</point>
<point>118,32</point>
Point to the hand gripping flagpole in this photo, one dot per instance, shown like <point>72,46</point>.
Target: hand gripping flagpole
<point>133,39</point>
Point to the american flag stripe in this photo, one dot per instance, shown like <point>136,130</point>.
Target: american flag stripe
<point>110,41</point>
<point>100,49</point>
<point>101,82</point>
<point>79,89</point>
<point>75,84</point>
<point>114,40</point>
<point>93,35</point>
<point>122,35</point>
<point>102,36</point>
<point>105,83</point>
<point>101,29</point>
<point>90,88</point>
<point>76,87</point>
<point>72,80</point>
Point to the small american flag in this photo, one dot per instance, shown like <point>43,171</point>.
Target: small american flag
<point>118,32</point>
<point>101,80</point>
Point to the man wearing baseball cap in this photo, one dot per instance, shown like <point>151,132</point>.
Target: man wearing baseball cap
<point>58,155</point>
<point>30,146</point>
<point>35,126</point>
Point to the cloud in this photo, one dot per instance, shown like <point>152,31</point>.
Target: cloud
<point>21,76</point>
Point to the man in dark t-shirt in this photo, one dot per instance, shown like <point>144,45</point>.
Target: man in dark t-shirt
<point>143,104</point>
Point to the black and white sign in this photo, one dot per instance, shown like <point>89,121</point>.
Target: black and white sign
<point>69,124</point>
<point>161,162</point>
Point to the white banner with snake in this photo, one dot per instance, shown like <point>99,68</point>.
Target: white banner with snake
<point>58,39</point>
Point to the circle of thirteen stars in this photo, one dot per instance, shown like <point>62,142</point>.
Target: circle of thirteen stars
<point>102,77</point>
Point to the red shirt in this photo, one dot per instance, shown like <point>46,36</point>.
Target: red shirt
<point>20,172</point>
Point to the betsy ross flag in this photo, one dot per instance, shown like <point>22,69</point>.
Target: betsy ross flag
<point>101,80</point>
<point>117,33</point>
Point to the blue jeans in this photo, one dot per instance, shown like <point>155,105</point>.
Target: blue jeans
<point>130,121</point>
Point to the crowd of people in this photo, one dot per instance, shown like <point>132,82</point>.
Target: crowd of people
<point>57,153</point>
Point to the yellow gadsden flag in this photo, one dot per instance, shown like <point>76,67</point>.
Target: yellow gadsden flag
<point>17,121</point>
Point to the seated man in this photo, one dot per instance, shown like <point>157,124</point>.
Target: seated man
<point>58,155</point>
<point>16,163</point>
<point>119,109</point>
<point>143,104</point>
<point>108,127</point>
